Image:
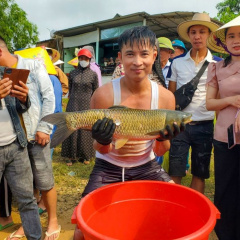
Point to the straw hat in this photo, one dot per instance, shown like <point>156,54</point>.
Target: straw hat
<point>58,62</point>
<point>73,62</point>
<point>55,55</point>
<point>217,41</point>
<point>197,19</point>
<point>165,43</point>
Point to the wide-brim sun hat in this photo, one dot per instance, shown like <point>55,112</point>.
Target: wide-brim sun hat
<point>197,19</point>
<point>55,55</point>
<point>165,43</point>
<point>217,39</point>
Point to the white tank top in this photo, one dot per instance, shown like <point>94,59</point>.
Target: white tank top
<point>133,153</point>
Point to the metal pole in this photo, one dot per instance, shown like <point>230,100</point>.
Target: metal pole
<point>97,46</point>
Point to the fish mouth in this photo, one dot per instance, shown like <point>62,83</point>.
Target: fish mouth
<point>187,118</point>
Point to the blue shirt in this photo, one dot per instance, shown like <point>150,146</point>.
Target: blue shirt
<point>57,88</point>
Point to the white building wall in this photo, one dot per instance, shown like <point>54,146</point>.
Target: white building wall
<point>81,39</point>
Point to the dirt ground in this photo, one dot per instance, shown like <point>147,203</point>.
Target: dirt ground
<point>66,204</point>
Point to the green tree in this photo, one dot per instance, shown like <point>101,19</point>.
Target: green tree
<point>15,27</point>
<point>228,10</point>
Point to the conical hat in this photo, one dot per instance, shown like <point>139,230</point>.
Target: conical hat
<point>39,53</point>
<point>73,62</point>
<point>58,62</point>
<point>217,41</point>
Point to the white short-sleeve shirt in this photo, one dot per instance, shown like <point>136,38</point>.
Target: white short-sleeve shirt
<point>184,70</point>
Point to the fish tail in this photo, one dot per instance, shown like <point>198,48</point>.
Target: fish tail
<point>62,131</point>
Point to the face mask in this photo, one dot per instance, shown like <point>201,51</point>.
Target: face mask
<point>83,63</point>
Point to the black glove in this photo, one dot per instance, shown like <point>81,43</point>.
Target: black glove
<point>171,133</point>
<point>103,130</point>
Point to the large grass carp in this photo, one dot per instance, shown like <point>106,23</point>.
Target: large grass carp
<point>131,124</point>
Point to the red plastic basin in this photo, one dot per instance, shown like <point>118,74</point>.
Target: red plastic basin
<point>145,210</point>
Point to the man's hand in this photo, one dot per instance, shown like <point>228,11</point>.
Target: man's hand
<point>20,92</point>
<point>103,130</point>
<point>168,133</point>
<point>5,87</point>
<point>42,138</point>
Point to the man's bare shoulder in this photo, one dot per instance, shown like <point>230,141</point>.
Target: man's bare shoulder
<point>103,96</point>
<point>166,98</point>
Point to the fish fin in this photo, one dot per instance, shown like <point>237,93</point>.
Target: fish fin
<point>120,142</point>
<point>62,131</point>
<point>117,107</point>
<point>155,133</point>
<point>55,118</point>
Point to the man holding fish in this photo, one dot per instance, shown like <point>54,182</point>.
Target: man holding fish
<point>128,157</point>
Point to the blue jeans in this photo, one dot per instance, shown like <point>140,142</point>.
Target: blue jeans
<point>15,165</point>
<point>40,158</point>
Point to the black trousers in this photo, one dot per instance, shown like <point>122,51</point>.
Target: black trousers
<point>227,190</point>
<point>5,198</point>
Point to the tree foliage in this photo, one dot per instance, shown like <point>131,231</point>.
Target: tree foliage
<point>228,10</point>
<point>15,27</point>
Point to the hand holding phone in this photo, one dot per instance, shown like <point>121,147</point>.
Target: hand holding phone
<point>16,75</point>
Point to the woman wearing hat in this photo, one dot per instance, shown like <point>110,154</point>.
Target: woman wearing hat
<point>199,133</point>
<point>224,78</point>
<point>82,83</point>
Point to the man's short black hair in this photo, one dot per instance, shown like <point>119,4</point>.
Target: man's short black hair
<point>141,35</point>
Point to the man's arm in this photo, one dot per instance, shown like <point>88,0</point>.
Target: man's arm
<point>172,86</point>
<point>48,104</point>
<point>101,100</point>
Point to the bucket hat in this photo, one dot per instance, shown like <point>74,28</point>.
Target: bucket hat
<point>55,55</point>
<point>165,43</point>
<point>85,52</point>
<point>197,19</point>
<point>179,43</point>
<point>217,41</point>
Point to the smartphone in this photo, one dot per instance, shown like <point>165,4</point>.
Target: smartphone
<point>233,137</point>
<point>16,75</point>
<point>231,141</point>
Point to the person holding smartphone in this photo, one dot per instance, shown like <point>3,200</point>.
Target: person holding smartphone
<point>14,160</point>
<point>223,95</point>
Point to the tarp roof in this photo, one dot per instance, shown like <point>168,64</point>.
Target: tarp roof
<point>164,24</point>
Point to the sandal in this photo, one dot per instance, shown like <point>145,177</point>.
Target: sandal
<point>69,163</point>
<point>5,226</point>
<point>19,236</point>
<point>55,232</point>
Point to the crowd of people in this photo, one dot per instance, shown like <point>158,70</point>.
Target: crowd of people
<point>148,72</point>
